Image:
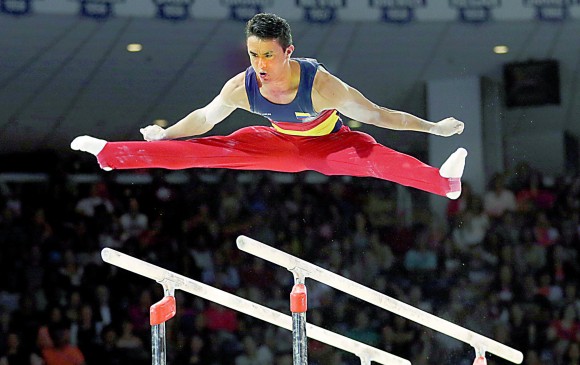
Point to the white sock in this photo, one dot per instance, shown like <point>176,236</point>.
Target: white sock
<point>88,144</point>
<point>453,169</point>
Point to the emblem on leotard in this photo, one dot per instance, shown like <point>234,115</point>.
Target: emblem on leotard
<point>302,116</point>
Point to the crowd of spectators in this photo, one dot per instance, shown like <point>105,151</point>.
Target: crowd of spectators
<point>503,263</point>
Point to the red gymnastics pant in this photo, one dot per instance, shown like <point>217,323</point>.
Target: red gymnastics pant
<point>345,152</point>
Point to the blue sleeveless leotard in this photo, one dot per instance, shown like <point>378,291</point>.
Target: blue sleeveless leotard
<point>297,117</point>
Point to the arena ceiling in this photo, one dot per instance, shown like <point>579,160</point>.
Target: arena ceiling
<point>63,76</point>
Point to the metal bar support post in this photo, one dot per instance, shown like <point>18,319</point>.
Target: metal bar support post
<point>298,307</point>
<point>159,313</point>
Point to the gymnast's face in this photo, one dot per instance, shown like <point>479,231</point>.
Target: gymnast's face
<point>270,61</point>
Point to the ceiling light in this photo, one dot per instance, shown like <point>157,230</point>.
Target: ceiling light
<point>501,49</point>
<point>134,47</point>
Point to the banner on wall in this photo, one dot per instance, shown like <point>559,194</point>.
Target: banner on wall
<point>173,9</point>
<point>320,11</point>
<point>244,10</point>
<point>314,11</point>
<point>397,11</point>
<point>475,11</point>
<point>16,7</point>
<point>551,10</point>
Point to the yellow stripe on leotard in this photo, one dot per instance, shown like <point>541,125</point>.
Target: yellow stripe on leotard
<point>320,129</point>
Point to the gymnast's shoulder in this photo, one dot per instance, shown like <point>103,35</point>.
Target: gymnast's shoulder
<point>234,91</point>
<point>328,91</point>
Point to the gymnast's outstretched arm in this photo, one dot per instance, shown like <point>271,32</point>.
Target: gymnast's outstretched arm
<point>200,121</point>
<point>329,92</point>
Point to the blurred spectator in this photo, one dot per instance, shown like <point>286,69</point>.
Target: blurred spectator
<point>139,314</point>
<point>381,210</point>
<point>565,329</point>
<point>381,253</point>
<point>544,232</point>
<point>534,196</point>
<point>254,354</point>
<point>131,346</point>
<point>133,222</point>
<point>106,351</point>
<point>572,354</point>
<point>472,226</point>
<point>498,199</point>
<point>220,318</point>
<point>532,357</point>
<point>534,253</point>
<point>202,254</point>
<point>226,276</point>
<point>362,329</point>
<point>98,196</point>
<point>194,352</point>
<point>548,288</point>
<point>87,332</point>
<point>402,338</point>
<point>258,274</point>
<point>16,354</point>
<point>70,270</point>
<point>283,358</point>
<point>104,312</point>
<point>61,352</point>
<point>421,259</point>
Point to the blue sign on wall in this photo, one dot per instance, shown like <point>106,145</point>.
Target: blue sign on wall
<point>98,9</point>
<point>397,11</point>
<point>551,10</point>
<point>16,7</point>
<point>173,9</point>
<point>475,11</point>
<point>244,10</point>
<point>320,11</point>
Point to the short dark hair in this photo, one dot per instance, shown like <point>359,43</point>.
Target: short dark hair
<point>270,26</point>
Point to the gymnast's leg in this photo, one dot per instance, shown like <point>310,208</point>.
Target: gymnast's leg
<point>262,148</point>
<point>250,148</point>
<point>358,154</point>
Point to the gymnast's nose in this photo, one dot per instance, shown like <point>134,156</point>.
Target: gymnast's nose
<point>262,64</point>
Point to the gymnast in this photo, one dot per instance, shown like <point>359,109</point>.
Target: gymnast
<point>302,101</point>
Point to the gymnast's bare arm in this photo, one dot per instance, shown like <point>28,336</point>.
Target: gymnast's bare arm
<point>232,96</point>
<point>329,92</point>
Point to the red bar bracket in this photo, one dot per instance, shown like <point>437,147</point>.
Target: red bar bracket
<point>480,360</point>
<point>162,311</point>
<point>298,299</point>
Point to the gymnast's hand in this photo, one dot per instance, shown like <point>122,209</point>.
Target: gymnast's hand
<point>447,127</point>
<point>153,133</point>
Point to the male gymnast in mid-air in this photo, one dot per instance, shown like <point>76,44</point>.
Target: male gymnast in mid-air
<point>302,101</point>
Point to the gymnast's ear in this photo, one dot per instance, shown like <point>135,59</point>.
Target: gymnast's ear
<point>289,50</point>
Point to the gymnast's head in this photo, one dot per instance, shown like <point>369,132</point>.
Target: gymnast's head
<point>270,27</point>
<point>269,46</point>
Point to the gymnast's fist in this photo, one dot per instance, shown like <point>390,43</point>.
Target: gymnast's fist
<point>153,133</point>
<point>447,127</point>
